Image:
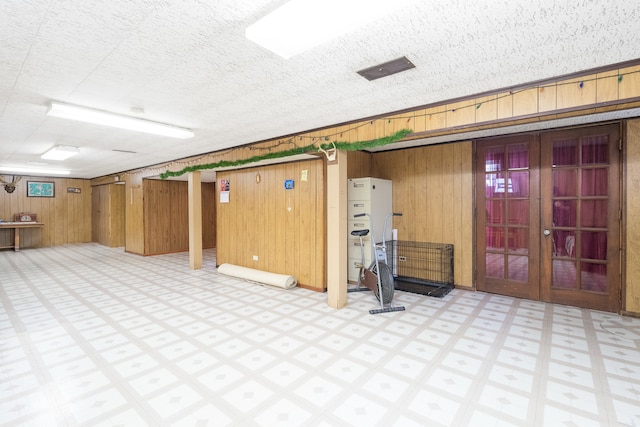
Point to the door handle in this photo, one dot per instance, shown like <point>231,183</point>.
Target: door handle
<point>546,232</point>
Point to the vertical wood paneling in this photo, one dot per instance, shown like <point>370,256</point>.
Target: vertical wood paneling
<point>179,228</point>
<point>436,118</point>
<point>447,204</point>
<point>465,250</point>
<point>318,182</point>
<point>458,210</point>
<point>434,209</point>
<point>525,102</point>
<point>293,233</point>
<point>505,106</point>
<point>117,209</point>
<point>304,217</point>
<point>100,214</point>
<point>630,83</point>
<point>358,164</point>
<point>276,190</point>
<point>283,228</point>
<point>134,214</point>
<point>268,178</point>
<point>487,109</point>
<point>59,209</point>
<point>433,187</point>
<point>407,196</point>
<point>166,220</point>
<point>607,86</point>
<point>576,92</point>
<point>67,216</point>
<point>254,212</point>
<point>108,215</point>
<point>461,113</point>
<point>632,207</point>
<point>415,210</point>
<point>547,97</point>
<point>208,215</point>
<point>223,224</point>
<point>260,214</point>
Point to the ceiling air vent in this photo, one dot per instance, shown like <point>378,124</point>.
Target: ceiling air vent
<point>386,69</point>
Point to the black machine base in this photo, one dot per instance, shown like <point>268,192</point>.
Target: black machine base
<point>386,310</point>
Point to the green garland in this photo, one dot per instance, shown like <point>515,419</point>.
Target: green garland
<point>355,146</point>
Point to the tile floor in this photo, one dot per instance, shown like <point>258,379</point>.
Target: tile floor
<point>92,336</point>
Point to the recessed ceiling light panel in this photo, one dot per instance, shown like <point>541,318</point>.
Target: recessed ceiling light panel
<point>34,171</point>
<point>89,115</point>
<point>300,25</point>
<point>60,152</point>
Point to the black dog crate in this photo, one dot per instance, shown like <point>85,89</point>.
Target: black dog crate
<point>419,267</point>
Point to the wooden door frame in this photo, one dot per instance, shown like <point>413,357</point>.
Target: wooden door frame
<point>614,212</point>
<point>615,246</point>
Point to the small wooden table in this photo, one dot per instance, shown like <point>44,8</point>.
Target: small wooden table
<point>16,226</point>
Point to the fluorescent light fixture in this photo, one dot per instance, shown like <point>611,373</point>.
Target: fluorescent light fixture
<point>83,114</point>
<point>60,152</point>
<point>300,25</point>
<point>34,170</point>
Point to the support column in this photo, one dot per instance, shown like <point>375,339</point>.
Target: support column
<point>337,274</point>
<point>195,221</point>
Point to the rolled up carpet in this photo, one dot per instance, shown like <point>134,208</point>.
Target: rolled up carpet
<point>280,280</point>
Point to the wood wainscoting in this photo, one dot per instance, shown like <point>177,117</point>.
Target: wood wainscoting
<point>66,216</point>
<point>270,228</point>
<point>166,216</point>
<point>108,210</point>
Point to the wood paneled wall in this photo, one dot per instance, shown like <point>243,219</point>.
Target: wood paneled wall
<point>284,229</point>
<point>108,213</point>
<point>631,200</point>
<point>117,213</point>
<point>208,215</point>
<point>166,221</point>
<point>442,173</point>
<point>66,217</point>
<point>134,237</point>
<point>593,93</point>
<point>166,216</point>
<point>100,210</point>
<point>358,164</point>
<point>433,189</point>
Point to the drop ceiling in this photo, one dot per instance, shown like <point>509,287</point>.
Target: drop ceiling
<point>188,63</point>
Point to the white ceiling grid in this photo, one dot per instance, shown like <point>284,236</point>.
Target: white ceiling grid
<point>188,63</point>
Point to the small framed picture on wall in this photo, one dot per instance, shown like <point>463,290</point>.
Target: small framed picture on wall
<point>40,189</point>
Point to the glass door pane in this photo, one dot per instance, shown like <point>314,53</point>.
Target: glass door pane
<point>507,216</point>
<point>580,204</point>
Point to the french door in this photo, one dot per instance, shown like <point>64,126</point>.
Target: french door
<point>548,216</point>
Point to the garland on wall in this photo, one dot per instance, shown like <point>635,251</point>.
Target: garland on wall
<point>270,152</point>
<point>312,148</point>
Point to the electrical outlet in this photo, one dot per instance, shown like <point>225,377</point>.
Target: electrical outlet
<point>402,258</point>
<point>255,257</point>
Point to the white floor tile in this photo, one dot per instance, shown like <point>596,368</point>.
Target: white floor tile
<point>147,341</point>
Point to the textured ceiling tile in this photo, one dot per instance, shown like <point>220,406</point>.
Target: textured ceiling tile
<point>188,63</point>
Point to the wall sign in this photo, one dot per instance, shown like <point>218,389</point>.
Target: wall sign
<point>225,188</point>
